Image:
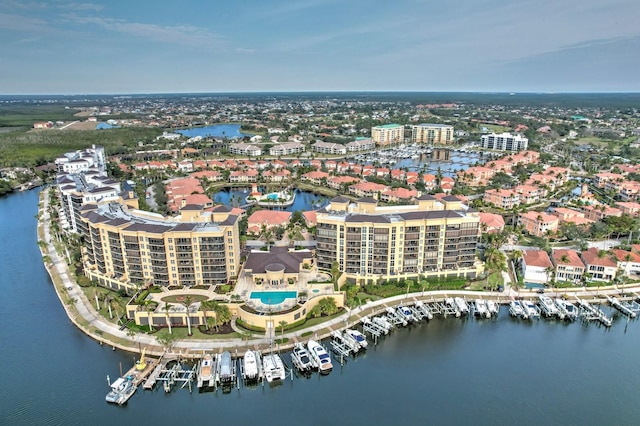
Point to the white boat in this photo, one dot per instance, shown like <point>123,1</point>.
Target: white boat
<point>351,344</point>
<point>394,317</point>
<point>453,306</point>
<point>383,322</point>
<point>357,336</point>
<point>424,309</point>
<point>516,310</point>
<point>549,308</point>
<point>206,368</point>
<point>300,358</point>
<point>462,305</point>
<point>530,309</point>
<point>250,365</point>
<point>273,367</point>
<point>320,355</point>
<point>481,309</point>
<point>406,313</point>
<point>493,307</point>
<point>350,341</point>
<point>569,310</point>
<point>121,390</point>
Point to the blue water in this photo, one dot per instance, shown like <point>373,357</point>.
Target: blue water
<point>219,130</point>
<point>444,372</point>
<point>304,200</point>
<point>272,197</point>
<point>273,297</point>
<point>104,126</point>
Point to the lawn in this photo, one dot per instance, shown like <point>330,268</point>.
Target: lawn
<point>181,298</point>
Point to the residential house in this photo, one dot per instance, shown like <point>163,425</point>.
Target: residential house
<point>568,265</point>
<point>599,265</point>
<point>538,223</point>
<point>536,266</point>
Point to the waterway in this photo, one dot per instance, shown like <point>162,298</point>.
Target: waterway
<point>304,200</point>
<point>230,131</point>
<point>444,372</point>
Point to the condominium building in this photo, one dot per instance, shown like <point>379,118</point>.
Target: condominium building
<point>430,238</point>
<point>123,247</point>
<point>329,148</point>
<point>387,134</point>
<point>504,142</point>
<point>432,133</point>
<point>82,161</point>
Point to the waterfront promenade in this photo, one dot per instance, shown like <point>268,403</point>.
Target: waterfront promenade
<point>82,313</point>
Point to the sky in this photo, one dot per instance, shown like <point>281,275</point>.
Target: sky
<point>170,46</point>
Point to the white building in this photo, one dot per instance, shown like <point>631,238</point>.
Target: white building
<point>361,145</point>
<point>504,142</point>
<point>288,148</point>
<point>245,149</point>
<point>536,266</point>
<point>329,148</point>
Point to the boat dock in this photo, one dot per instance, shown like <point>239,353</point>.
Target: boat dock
<point>629,309</point>
<point>590,312</point>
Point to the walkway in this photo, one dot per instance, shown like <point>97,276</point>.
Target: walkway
<point>99,328</point>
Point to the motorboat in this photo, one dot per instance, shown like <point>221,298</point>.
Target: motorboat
<point>424,309</point>
<point>481,309</point>
<point>406,313</point>
<point>121,390</point>
<point>225,367</point>
<point>462,305</point>
<point>380,329</point>
<point>549,307</point>
<point>516,310</point>
<point>206,368</point>
<point>300,358</point>
<point>383,322</point>
<point>452,306</point>
<point>530,309</point>
<point>273,367</point>
<point>321,356</point>
<point>357,336</point>
<point>345,338</point>
<point>250,365</point>
<point>569,310</point>
<point>493,307</point>
<point>394,317</point>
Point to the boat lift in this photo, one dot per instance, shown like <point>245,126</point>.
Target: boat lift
<point>449,307</point>
<point>626,308</point>
<point>229,381</point>
<point>591,313</point>
<point>341,338</point>
<point>176,374</point>
<point>424,309</point>
<point>339,346</point>
<point>394,317</point>
<point>373,329</point>
<point>417,313</point>
<point>383,322</point>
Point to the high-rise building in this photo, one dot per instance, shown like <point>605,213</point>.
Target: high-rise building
<point>431,238</point>
<point>123,247</point>
<point>432,133</point>
<point>387,134</point>
<point>504,142</point>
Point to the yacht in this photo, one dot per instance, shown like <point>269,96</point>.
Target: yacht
<point>121,390</point>
<point>493,307</point>
<point>358,337</point>
<point>516,310</point>
<point>300,358</point>
<point>569,310</point>
<point>250,365</point>
<point>452,306</point>
<point>530,309</point>
<point>273,367</point>
<point>206,368</point>
<point>481,309</point>
<point>225,367</point>
<point>549,307</point>
<point>463,307</point>
<point>321,356</point>
<point>406,314</point>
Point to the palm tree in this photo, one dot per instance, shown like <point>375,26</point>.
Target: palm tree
<point>97,297</point>
<point>167,308</point>
<point>282,324</point>
<point>188,300</point>
<point>148,306</point>
<point>108,300</point>
<point>206,306</point>
<point>495,261</point>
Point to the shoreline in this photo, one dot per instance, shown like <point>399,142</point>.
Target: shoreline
<point>82,314</point>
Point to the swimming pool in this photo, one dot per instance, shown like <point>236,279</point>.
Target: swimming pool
<point>273,297</point>
<point>272,197</point>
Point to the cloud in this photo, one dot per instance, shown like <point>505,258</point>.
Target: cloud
<point>81,6</point>
<point>175,34</point>
<point>245,51</point>
<point>13,22</point>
